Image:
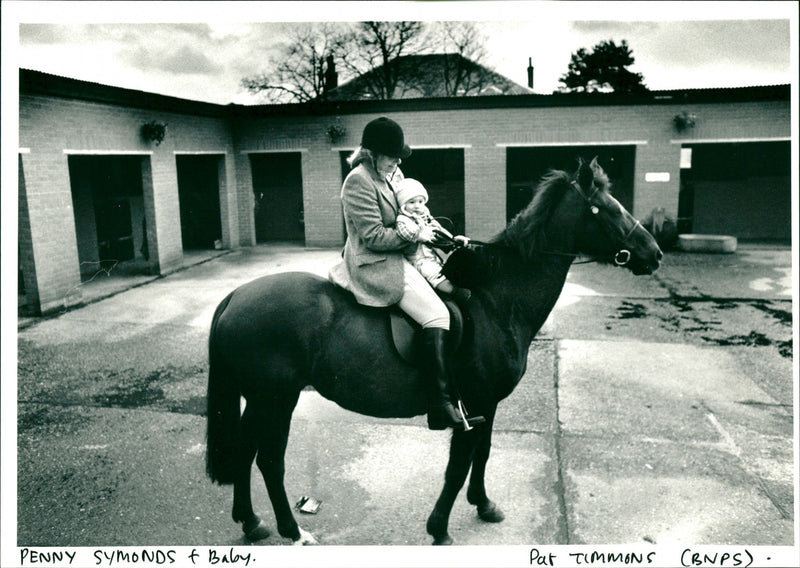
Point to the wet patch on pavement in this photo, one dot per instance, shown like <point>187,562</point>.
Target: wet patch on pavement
<point>171,389</point>
<point>629,310</point>
<point>168,388</point>
<point>751,323</point>
<point>56,418</point>
<point>144,391</point>
<point>755,339</point>
<point>783,316</point>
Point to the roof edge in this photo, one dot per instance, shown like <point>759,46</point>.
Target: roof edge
<point>39,83</point>
<point>673,97</point>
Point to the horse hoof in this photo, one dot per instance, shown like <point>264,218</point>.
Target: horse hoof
<point>443,541</point>
<point>491,513</point>
<point>306,538</point>
<point>256,530</point>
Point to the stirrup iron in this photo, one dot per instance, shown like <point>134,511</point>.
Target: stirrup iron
<point>463,412</point>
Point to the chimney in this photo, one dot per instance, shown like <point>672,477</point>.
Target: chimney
<point>331,76</point>
<point>530,73</point>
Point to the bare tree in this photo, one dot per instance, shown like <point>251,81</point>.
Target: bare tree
<point>300,73</point>
<point>467,73</point>
<point>372,51</point>
<point>386,60</point>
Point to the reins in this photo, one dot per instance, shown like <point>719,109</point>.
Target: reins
<point>620,258</point>
<point>450,243</point>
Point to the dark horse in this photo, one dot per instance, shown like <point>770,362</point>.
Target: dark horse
<point>274,336</point>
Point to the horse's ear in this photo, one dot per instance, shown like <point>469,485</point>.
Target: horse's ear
<point>597,168</point>
<point>585,174</point>
<point>600,176</point>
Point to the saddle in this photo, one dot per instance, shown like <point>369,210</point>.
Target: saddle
<point>406,339</point>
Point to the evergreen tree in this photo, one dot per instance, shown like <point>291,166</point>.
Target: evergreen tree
<point>603,69</point>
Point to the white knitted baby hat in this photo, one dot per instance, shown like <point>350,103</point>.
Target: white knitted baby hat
<point>410,188</point>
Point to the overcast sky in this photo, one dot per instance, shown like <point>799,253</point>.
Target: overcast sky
<point>217,44</point>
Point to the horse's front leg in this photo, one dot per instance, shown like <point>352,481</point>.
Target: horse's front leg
<point>476,492</point>
<point>462,448</point>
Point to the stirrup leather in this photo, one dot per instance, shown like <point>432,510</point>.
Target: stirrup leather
<point>463,412</point>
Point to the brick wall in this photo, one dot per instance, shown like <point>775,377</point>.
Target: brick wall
<point>51,126</point>
<point>50,248</point>
<point>486,133</point>
<point>25,244</point>
<point>51,129</point>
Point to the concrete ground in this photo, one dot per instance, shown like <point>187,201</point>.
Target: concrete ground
<point>656,411</point>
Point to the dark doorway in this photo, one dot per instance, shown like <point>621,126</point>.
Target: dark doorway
<point>740,189</point>
<point>526,166</point>
<point>278,189</point>
<point>198,193</point>
<point>114,228</point>
<point>108,206</point>
<point>442,174</point>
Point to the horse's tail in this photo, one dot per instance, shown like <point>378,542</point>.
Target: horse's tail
<point>223,397</point>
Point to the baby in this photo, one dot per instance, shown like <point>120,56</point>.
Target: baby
<point>413,217</point>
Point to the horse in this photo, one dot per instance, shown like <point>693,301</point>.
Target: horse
<point>274,336</point>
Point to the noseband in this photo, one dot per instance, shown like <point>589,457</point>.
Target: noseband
<point>623,256</point>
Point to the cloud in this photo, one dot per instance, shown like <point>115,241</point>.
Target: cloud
<point>202,60</point>
<point>689,43</point>
<point>685,54</point>
<point>240,49</point>
<point>754,42</point>
<point>613,29</point>
<point>45,34</point>
<point>178,61</point>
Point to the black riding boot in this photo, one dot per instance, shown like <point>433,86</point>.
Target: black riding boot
<point>442,414</point>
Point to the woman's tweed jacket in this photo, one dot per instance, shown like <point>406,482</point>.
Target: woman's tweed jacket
<point>372,267</point>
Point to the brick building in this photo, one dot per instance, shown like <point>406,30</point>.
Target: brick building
<point>93,190</point>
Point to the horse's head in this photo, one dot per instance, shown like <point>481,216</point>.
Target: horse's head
<point>607,231</point>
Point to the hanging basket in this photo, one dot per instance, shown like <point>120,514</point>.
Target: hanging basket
<point>154,131</point>
<point>684,121</point>
<point>335,132</point>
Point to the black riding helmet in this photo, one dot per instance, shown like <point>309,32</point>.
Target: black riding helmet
<point>384,136</point>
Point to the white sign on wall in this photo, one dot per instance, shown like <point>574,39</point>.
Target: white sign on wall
<point>656,176</point>
<point>686,158</point>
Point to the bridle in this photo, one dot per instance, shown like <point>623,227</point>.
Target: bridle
<point>623,256</point>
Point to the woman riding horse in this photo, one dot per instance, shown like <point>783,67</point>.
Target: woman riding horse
<point>374,268</point>
<point>274,336</point>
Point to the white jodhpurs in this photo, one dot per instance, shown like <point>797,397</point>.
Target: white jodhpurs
<point>420,302</point>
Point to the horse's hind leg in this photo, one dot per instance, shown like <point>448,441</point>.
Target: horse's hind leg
<point>252,525</point>
<point>476,492</point>
<point>274,435</point>
<point>462,449</point>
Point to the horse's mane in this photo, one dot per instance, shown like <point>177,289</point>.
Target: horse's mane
<point>476,265</point>
<point>524,235</point>
<point>525,232</point>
